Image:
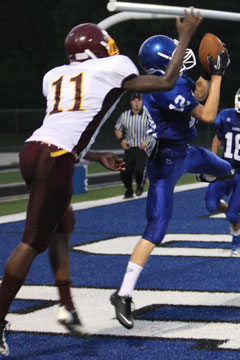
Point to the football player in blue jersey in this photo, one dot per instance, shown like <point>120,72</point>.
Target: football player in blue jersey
<point>172,117</point>
<point>228,134</point>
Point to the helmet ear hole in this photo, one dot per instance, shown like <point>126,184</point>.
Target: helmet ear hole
<point>87,41</point>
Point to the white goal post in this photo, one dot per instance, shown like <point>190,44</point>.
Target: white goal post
<point>114,5</point>
<point>125,15</point>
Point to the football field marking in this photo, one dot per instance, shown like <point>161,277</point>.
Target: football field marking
<point>95,203</point>
<point>99,317</point>
<point>124,245</point>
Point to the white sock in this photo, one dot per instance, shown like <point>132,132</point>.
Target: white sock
<point>130,278</point>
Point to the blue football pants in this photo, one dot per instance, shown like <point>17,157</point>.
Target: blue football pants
<point>218,190</point>
<point>163,173</point>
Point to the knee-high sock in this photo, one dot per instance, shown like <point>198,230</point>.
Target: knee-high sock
<point>8,290</point>
<point>130,278</point>
<point>65,292</point>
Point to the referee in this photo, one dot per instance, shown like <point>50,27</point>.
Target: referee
<point>131,131</point>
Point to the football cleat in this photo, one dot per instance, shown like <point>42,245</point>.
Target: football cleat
<point>139,190</point>
<point>123,311</point>
<point>4,349</point>
<point>235,252</point>
<point>68,317</point>
<point>210,178</point>
<point>128,195</point>
<point>205,178</point>
<point>235,244</point>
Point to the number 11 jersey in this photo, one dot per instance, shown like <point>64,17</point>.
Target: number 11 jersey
<point>80,98</point>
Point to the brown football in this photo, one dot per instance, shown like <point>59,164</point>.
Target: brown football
<point>210,43</point>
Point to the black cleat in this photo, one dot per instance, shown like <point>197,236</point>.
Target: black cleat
<point>4,350</point>
<point>128,195</point>
<point>205,178</point>
<point>139,190</point>
<point>123,311</point>
<point>210,178</point>
<point>69,318</point>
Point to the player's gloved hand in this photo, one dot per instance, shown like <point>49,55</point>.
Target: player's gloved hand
<point>220,64</point>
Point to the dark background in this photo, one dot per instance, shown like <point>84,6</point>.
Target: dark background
<point>32,37</point>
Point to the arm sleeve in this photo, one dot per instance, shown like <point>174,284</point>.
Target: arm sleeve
<point>118,125</point>
<point>121,68</point>
<point>219,126</point>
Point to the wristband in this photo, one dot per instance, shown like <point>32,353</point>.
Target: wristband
<point>121,139</point>
<point>205,75</point>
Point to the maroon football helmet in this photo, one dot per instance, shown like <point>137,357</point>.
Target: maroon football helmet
<point>87,41</point>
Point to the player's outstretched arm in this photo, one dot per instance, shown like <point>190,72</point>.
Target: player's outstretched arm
<point>185,29</point>
<point>216,143</point>
<point>108,159</point>
<point>201,89</point>
<point>218,67</point>
<point>151,83</point>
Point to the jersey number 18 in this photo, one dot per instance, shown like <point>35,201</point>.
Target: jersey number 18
<point>229,146</point>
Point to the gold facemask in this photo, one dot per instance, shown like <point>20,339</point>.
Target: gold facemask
<point>112,48</point>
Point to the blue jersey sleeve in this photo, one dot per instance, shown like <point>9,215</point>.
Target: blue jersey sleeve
<point>219,123</point>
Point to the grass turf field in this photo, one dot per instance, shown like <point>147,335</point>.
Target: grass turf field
<point>17,204</point>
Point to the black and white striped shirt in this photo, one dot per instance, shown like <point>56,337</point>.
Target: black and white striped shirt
<point>134,127</point>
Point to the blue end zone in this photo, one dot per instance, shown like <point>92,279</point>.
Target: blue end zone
<point>188,313</point>
<point>106,271</point>
<point>25,346</point>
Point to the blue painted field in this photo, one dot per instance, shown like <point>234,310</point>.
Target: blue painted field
<point>187,300</point>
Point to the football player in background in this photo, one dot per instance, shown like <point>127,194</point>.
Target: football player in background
<point>80,98</point>
<point>228,134</point>
<point>171,117</point>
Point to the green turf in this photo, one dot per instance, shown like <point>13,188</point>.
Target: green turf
<point>16,205</point>
<point>95,168</point>
<point>11,177</point>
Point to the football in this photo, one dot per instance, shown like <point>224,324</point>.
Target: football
<point>210,43</point>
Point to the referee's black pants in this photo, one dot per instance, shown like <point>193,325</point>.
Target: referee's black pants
<point>135,164</point>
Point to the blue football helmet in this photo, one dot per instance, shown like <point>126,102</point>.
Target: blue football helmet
<point>157,51</point>
<point>237,101</point>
